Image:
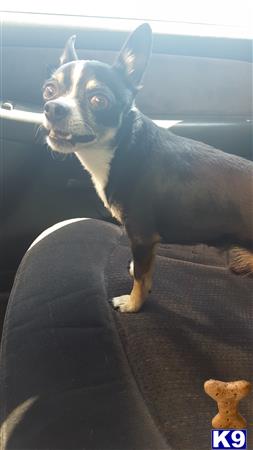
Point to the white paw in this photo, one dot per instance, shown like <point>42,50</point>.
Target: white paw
<point>123,303</point>
<point>131,269</point>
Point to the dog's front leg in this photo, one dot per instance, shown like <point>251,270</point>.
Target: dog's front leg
<point>143,259</point>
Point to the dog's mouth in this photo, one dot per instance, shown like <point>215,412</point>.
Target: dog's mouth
<point>60,137</point>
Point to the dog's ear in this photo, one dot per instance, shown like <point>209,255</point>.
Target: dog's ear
<point>134,56</point>
<point>69,53</point>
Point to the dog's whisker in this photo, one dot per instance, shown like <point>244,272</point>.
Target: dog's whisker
<point>40,134</point>
<point>37,130</point>
<point>90,129</point>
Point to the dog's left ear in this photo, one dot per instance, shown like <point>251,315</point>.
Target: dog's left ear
<point>134,56</point>
<point>69,53</point>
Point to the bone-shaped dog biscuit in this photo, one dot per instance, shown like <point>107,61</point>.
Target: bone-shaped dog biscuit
<point>227,395</point>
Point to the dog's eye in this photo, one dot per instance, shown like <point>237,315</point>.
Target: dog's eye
<point>50,91</point>
<point>99,102</point>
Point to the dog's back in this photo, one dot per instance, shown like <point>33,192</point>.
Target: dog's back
<point>209,196</point>
<point>187,191</point>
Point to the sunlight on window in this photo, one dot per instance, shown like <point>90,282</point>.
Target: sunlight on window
<point>219,13</point>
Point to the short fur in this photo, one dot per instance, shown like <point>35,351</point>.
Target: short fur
<point>159,185</point>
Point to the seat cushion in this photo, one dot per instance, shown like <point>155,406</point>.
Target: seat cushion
<point>77,375</point>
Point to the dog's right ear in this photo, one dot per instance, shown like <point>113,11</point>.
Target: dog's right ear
<point>134,56</point>
<point>69,53</point>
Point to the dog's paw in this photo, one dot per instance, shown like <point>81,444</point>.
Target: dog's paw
<point>123,304</point>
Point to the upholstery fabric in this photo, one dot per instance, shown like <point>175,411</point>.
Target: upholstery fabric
<point>77,375</point>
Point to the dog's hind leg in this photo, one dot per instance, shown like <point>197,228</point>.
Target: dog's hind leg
<point>241,261</point>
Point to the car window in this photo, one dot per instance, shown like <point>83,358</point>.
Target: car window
<point>235,18</point>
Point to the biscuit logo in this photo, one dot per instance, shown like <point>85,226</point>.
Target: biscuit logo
<point>229,425</point>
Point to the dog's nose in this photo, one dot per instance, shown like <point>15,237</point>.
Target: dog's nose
<point>55,111</point>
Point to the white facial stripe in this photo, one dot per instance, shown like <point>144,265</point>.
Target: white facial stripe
<point>75,77</point>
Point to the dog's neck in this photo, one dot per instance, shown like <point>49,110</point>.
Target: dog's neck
<point>97,161</point>
<point>97,158</point>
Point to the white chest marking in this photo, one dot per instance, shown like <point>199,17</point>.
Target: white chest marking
<point>98,163</point>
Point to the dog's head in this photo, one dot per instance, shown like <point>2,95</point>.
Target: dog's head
<point>86,100</point>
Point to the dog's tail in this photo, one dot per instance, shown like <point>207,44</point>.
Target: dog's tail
<point>241,261</point>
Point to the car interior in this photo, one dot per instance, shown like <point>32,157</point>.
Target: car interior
<point>74,374</point>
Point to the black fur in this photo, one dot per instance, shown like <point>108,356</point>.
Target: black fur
<point>162,186</point>
<point>184,190</point>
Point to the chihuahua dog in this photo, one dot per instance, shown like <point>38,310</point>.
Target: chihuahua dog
<point>159,185</point>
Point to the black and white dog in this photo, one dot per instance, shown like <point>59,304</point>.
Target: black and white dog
<point>159,185</point>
